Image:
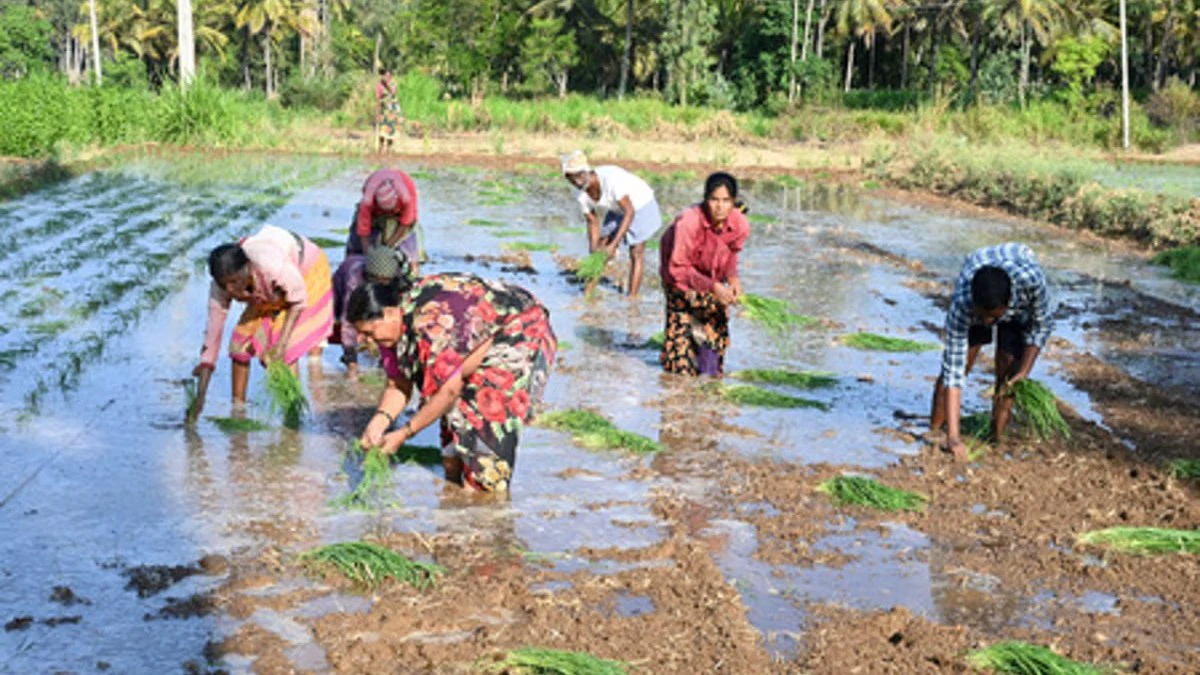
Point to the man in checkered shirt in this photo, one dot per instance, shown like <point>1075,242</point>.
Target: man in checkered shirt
<point>1003,287</point>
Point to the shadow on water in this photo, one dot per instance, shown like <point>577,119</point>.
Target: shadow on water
<point>100,322</point>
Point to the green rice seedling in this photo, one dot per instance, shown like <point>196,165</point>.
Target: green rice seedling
<point>748,394</point>
<point>656,341</point>
<point>509,234</point>
<point>595,432</point>
<point>1022,658</point>
<point>372,378</point>
<point>376,479</point>
<point>1184,468</point>
<point>484,222</point>
<point>787,181</point>
<point>286,393</point>
<point>1184,263</point>
<point>49,328</point>
<point>422,455</point>
<point>761,219</point>
<point>538,661</point>
<point>530,246</point>
<point>859,491</point>
<point>592,267</point>
<point>775,314</point>
<point>326,242</point>
<point>653,244</point>
<point>368,565</point>
<point>791,378</point>
<point>237,425</point>
<point>421,174</point>
<point>976,425</point>
<point>883,343</point>
<point>1038,403</point>
<point>1144,540</point>
<point>342,231</point>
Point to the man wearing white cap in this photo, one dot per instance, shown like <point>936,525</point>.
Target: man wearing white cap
<point>619,208</point>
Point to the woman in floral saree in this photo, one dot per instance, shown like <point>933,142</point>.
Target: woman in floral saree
<point>478,352</point>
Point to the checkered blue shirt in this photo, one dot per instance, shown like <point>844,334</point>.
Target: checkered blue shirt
<point>1030,304</point>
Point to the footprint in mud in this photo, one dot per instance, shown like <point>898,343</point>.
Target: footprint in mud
<point>150,580</point>
<point>198,605</point>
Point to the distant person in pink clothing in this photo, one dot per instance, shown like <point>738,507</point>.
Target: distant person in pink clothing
<point>699,268</point>
<point>284,280</point>
<point>388,117</point>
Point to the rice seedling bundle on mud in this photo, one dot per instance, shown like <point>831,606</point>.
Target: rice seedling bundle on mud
<point>1021,658</point>
<point>791,378</point>
<point>592,267</point>
<point>376,479</point>
<point>1184,468</point>
<point>776,315</point>
<point>594,432</point>
<point>238,425</point>
<point>368,565</point>
<point>1145,540</point>
<point>976,425</point>
<point>860,491</point>
<point>882,343</point>
<point>536,661</point>
<point>656,341</point>
<point>286,393</point>
<point>747,394</point>
<point>1037,403</point>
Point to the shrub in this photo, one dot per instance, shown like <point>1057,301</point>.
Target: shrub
<point>323,93</point>
<point>1175,106</point>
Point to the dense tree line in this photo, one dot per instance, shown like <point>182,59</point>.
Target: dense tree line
<point>738,54</point>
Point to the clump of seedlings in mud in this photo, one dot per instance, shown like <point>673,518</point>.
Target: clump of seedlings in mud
<point>1022,658</point>
<point>375,480</point>
<point>286,393</point>
<point>882,343</point>
<point>775,314</point>
<point>861,491</point>
<point>1040,406</point>
<point>1184,468</point>
<point>368,565</point>
<point>538,661</point>
<point>748,394</point>
<point>595,432</point>
<point>1145,540</point>
<point>1184,262</point>
<point>237,425</point>
<point>791,378</point>
<point>591,268</point>
<point>326,242</point>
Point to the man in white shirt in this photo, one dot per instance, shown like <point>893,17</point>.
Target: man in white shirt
<point>619,209</point>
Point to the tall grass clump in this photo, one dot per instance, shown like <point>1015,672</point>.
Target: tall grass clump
<point>790,378</point>
<point>883,343</point>
<point>538,661</point>
<point>595,432</point>
<point>203,113</point>
<point>746,394</point>
<point>1144,540</point>
<point>775,314</point>
<point>859,491</point>
<point>1038,403</point>
<point>286,393</point>
<point>368,565</point>
<point>1184,468</point>
<point>1184,263</point>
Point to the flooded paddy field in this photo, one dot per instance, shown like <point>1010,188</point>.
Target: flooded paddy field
<point>133,544</point>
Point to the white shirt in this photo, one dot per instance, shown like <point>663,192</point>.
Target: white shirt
<point>615,184</point>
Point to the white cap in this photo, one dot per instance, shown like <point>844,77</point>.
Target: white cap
<point>574,162</point>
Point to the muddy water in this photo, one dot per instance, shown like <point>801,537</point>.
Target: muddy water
<point>103,313</point>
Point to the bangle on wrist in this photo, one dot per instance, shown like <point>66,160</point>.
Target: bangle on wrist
<point>390,418</point>
<point>408,429</point>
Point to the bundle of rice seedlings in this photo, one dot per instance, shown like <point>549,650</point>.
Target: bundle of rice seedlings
<point>748,394</point>
<point>860,491</point>
<point>286,393</point>
<point>190,393</point>
<point>592,267</point>
<point>1184,262</point>
<point>883,343</point>
<point>594,432</point>
<point>424,455</point>
<point>368,565</point>
<point>376,479</point>
<point>484,222</point>
<point>326,242</point>
<point>1146,540</point>
<point>1022,658</point>
<point>1038,403</point>
<point>656,341</point>
<point>530,246</point>
<point>238,425</point>
<point>976,425</point>
<point>791,378</point>
<point>776,315</point>
<point>1184,468</point>
<point>538,661</point>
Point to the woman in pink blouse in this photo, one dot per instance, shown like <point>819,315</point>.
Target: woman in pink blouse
<point>699,268</point>
<point>284,280</point>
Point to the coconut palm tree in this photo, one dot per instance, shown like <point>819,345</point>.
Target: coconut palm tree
<point>863,19</point>
<point>1031,20</point>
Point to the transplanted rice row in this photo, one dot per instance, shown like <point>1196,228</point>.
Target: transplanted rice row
<point>748,394</point>
<point>595,432</point>
<point>791,378</point>
<point>1144,540</point>
<point>1040,406</point>
<point>368,565</point>
<point>538,661</point>
<point>286,393</point>
<point>860,491</point>
<point>530,246</point>
<point>883,343</point>
<point>1022,658</point>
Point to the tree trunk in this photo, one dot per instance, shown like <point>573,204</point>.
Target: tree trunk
<point>904,56</point>
<point>977,37</point>
<point>378,45</point>
<point>627,56</point>
<point>807,31</point>
<point>871,49</point>
<point>933,55</point>
<point>1164,48</point>
<point>562,83</point>
<point>849,62</point>
<point>95,42</point>
<point>1023,85</point>
<point>792,57</point>
<point>821,32</point>
<point>268,85</point>
<point>187,45</point>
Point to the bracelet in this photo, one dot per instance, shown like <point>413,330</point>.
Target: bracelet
<point>390,418</point>
<point>407,428</point>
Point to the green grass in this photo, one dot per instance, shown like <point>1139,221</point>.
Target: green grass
<point>1184,468</point>
<point>1184,263</point>
<point>530,246</point>
<point>859,491</point>
<point>286,393</point>
<point>326,242</point>
<point>1144,540</point>
<point>538,661</point>
<point>592,267</point>
<point>748,394</point>
<point>1022,658</point>
<point>791,378</point>
<point>776,315</point>
<point>1038,403</point>
<point>595,432</point>
<point>883,343</point>
<point>237,425</point>
<point>368,565</point>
